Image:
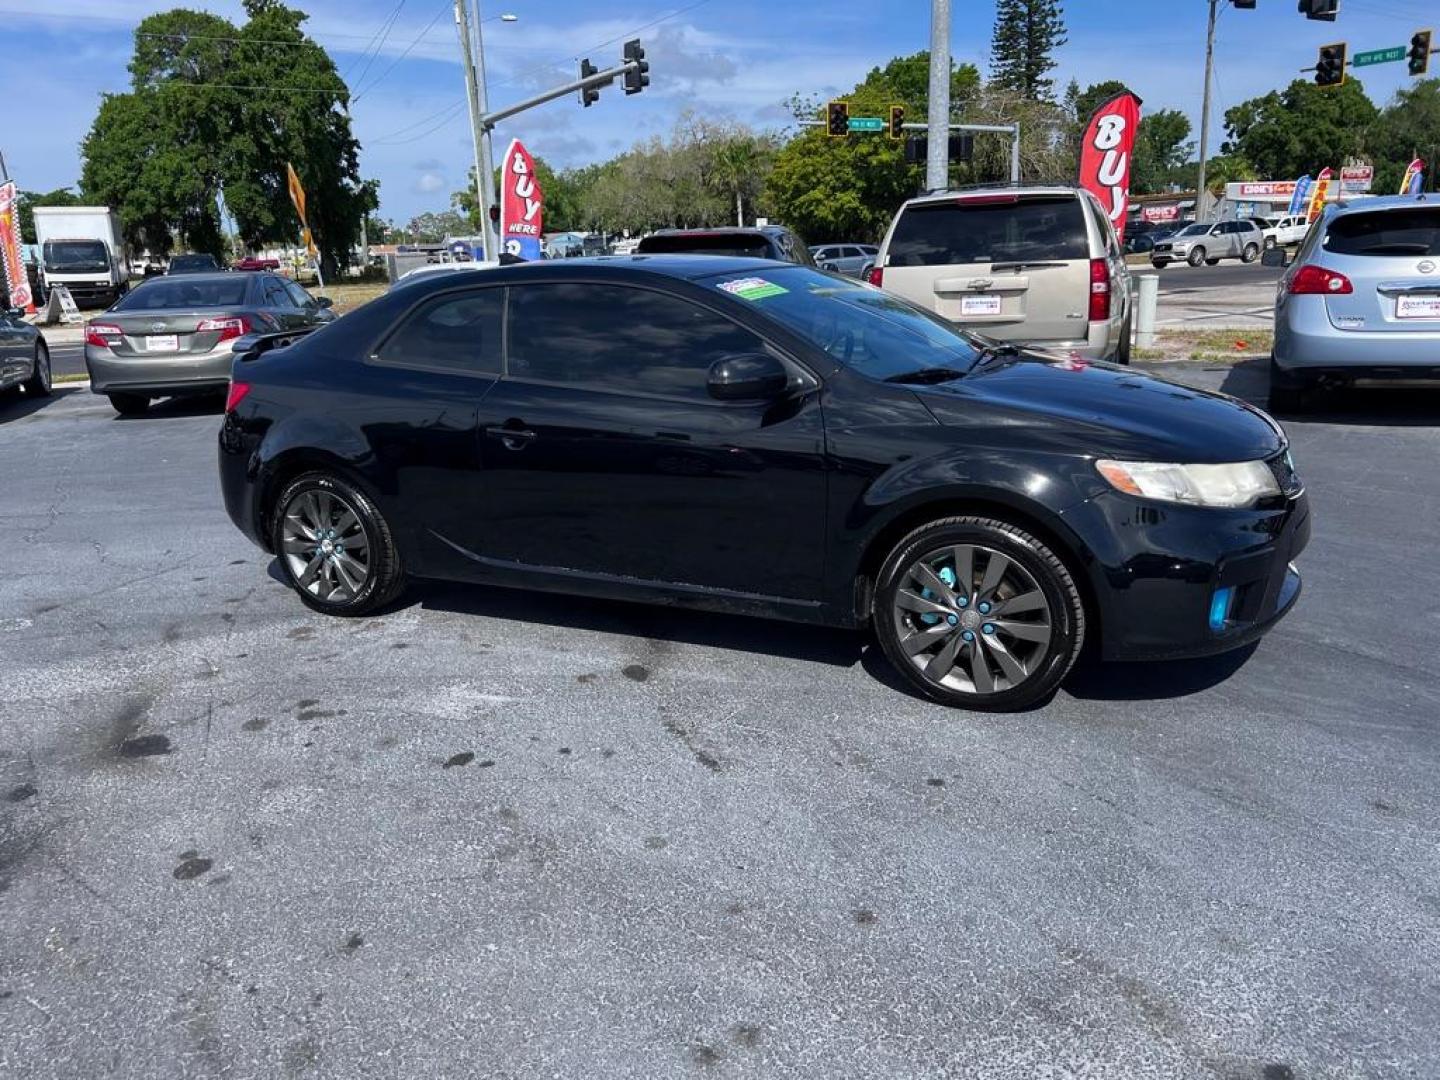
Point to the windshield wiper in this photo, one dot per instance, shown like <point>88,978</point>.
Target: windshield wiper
<point>927,375</point>
<point>994,352</point>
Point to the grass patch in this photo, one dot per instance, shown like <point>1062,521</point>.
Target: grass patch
<point>348,297</point>
<point>78,376</point>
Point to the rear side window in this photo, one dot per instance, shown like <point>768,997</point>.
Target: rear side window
<point>1412,231</point>
<point>1028,229</point>
<point>610,337</point>
<point>457,332</point>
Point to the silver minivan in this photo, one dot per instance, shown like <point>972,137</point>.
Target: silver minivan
<point>1033,265</point>
<point>1361,300</point>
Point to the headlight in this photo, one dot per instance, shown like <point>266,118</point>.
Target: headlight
<point>1238,484</point>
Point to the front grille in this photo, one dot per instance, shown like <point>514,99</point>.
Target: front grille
<point>1162,247</point>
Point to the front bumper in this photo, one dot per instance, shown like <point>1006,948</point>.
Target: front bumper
<point>1157,569</point>
<point>165,374</point>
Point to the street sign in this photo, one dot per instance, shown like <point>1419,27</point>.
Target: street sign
<point>1378,56</point>
<point>866,123</point>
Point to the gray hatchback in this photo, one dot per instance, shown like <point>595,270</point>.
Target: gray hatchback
<point>1361,301</point>
<point>173,335</point>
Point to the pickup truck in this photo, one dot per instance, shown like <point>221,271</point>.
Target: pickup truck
<point>1281,232</point>
<point>252,262</point>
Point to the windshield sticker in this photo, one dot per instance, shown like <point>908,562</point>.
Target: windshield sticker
<point>752,288</point>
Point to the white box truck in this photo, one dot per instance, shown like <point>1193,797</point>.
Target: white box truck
<point>81,247</point>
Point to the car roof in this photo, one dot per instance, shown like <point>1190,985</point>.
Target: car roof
<point>991,190</point>
<point>1381,202</point>
<point>723,230</point>
<point>213,275</point>
<point>683,267</point>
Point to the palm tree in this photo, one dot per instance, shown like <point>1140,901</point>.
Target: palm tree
<point>734,168</point>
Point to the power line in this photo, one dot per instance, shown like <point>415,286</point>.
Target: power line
<point>441,11</point>
<point>382,35</point>
<point>391,137</point>
<point>454,112</point>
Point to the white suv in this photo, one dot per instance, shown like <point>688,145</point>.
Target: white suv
<point>1038,266</point>
<point>1281,232</point>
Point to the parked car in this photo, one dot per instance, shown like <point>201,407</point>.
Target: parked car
<point>653,429</point>
<point>847,259</point>
<point>193,264</point>
<point>762,242</point>
<point>1360,301</point>
<point>1210,241</point>
<point>172,335</point>
<point>24,356</point>
<point>254,262</point>
<point>430,269</point>
<point>1037,265</point>
<point>1279,232</point>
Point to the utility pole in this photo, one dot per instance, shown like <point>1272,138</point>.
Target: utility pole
<point>1201,196</point>
<point>475,92</point>
<point>937,154</point>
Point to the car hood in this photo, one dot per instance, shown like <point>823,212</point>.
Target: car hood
<point>1106,410</point>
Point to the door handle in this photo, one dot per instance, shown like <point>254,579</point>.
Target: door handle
<point>512,438</point>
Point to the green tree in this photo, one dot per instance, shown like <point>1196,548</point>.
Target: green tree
<point>1026,35</point>
<point>1161,146</point>
<point>1082,103</point>
<point>216,111</point>
<point>432,227</point>
<point>27,201</point>
<point>1408,126</point>
<point>735,167</point>
<point>564,197</point>
<point>1301,129</point>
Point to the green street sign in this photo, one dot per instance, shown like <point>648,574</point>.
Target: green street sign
<point>869,123</point>
<point>1378,56</point>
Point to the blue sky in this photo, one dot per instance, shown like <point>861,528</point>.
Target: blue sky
<point>737,58</point>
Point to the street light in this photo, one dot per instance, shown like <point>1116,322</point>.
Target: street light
<point>479,106</point>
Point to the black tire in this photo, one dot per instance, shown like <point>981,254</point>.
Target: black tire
<point>1250,254</point>
<point>1269,243</point>
<point>1196,256</point>
<point>38,385</point>
<point>1212,262</point>
<point>1287,395</point>
<point>1159,264</point>
<point>385,578</point>
<point>1122,354</point>
<point>129,404</point>
<point>1065,611</point>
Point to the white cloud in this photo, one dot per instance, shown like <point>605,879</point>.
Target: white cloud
<point>428,183</point>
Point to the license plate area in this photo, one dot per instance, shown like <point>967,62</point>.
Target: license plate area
<point>979,305</point>
<point>162,343</point>
<point>1417,307</point>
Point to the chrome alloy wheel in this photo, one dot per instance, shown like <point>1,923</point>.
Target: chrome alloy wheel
<point>972,619</point>
<point>325,547</point>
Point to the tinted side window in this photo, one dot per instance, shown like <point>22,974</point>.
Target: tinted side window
<point>609,337</point>
<point>457,332</point>
<point>946,233</point>
<point>298,296</point>
<point>275,295</point>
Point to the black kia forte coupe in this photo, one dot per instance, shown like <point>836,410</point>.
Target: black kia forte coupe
<point>747,436</point>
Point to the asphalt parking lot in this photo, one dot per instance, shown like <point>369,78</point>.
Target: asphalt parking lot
<point>504,835</point>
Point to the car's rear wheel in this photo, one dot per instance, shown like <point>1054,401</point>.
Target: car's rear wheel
<point>1122,353</point>
<point>129,404</point>
<point>977,613</point>
<point>1197,256</point>
<point>1251,253</point>
<point>1159,264</point>
<point>334,546</point>
<point>39,382</point>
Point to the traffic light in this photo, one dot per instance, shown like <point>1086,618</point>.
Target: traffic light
<point>588,94</point>
<point>1330,68</point>
<point>1419,54</point>
<point>638,77</point>
<point>1243,5</point>
<point>1324,10</point>
<point>897,121</point>
<point>837,119</point>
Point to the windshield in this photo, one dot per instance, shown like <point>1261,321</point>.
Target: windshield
<point>76,257</point>
<point>874,333</point>
<point>191,294</point>
<point>1410,231</point>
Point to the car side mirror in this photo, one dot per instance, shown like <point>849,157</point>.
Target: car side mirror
<point>15,312</point>
<point>325,301</point>
<point>1276,256</point>
<point>747,377</point>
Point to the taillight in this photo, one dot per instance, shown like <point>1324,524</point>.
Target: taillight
<point>1099,291</point>
<point>237,393</point>
<point>1316,279</point>
<point>876,276</point>
<point>229,328</point>
<point>102,334</point>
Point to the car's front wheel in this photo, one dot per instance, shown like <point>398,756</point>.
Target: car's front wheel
<point>1197,256</point>
<point>978,613</point>
<point>335,548</point>
<point>39,382</point>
